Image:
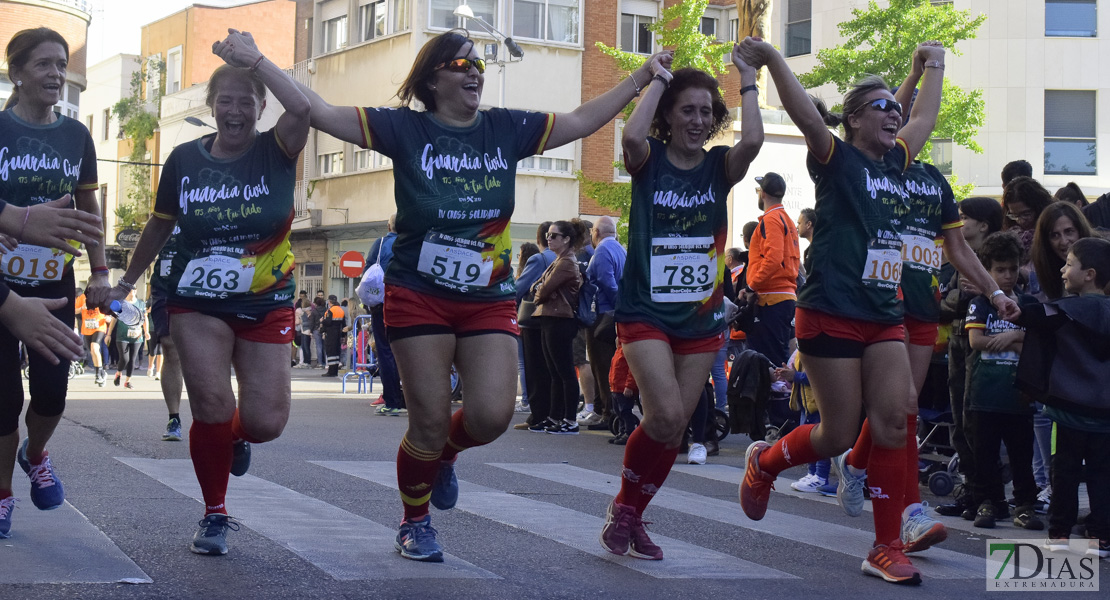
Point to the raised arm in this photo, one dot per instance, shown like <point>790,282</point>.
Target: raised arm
<point>634,136</point>
<point>794,98</point>
<point>923,117</point>
<point>751,123</point>
<point>239,50</point>
<point>590,116</point>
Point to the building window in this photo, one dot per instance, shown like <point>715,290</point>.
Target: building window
<point>545,163</point>
<point>734,30</point>
<point>70,101</point>
<point>619,173</point>
<point>1069,132</point>
<point>798,15</point>
<point>442,13</point>
<point>88,123</point>
<point>941,155</point>
<point>335,33</point>
<point>106,117</point>
<point>400,14</point>
<point>552,20</point>
<point>371,20</point>
<point>1070,18</point>
<point>635,35</point>
<point>369,159</point>
<point>173,70</point>
<point>709,27</point>
<point>328,164</point>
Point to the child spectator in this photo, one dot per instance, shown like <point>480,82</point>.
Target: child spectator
<point>996,411</point>
<point>801,399</point>
<point>1067,366</point>
<point>624,391</point>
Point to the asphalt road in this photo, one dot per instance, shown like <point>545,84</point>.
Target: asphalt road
<point>319,514</point>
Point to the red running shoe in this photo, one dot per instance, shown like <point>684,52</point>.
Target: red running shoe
<point>380,401</point>
<point>617,531</point>
<point>639,544</point>
<point>755,488</point>
<point>891,564</point>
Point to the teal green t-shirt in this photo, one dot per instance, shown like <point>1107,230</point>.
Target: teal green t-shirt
<point>40,163</point>
<point>456,191</point>
<point>857,243</point>
<point>932,210</point>
<point>992,375</point>
<point>234,217</point>
<point>675,270</point>
<point>125,333</point>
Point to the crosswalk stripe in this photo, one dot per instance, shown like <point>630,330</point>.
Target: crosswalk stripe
<point>344,545</point>
<point>937,563</point>
<point>44,545</point>
<point>573,528</point>
<point>733,475</point>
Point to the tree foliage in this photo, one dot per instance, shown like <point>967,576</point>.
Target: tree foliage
<point>881,41</point>
<point>680,29</point>
<point>138,124</point>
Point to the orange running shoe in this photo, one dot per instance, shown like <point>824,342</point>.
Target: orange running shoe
<point>755,488</point>
<point>890,563</point>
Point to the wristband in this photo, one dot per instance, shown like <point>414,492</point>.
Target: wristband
<point>632,76</point>
<point>100,270</point>
<point>749,88</point>
<point>666,84</point>
<point>934,64</point>
<point>122,283</point>
<point>996,293</point>
<point>254,67</point>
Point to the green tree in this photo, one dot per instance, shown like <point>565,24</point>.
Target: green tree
<point>680,28</point>
<point>881,41</point>
<point>137,124</point>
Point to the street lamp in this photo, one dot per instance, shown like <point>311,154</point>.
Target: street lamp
<point>197,122</point>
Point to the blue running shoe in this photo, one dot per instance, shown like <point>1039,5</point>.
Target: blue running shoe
<point>47,492</point>
<point>7,505</point>
<point>173,431</point>
<point>445,489</point>
<point>849,494</point>
<point>416,540</point>
<point>240,457</point>
<point>211,535</point>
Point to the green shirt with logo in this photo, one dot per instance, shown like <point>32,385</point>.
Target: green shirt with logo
<point>456,190</point>
<point>674,275</point>
<point>992,375</point>
<point>932,210</point>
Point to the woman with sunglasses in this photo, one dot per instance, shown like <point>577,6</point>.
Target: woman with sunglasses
<point>670,307</point>
<point>849,317</point>
<point>449,287</point>
<point>930,223</point>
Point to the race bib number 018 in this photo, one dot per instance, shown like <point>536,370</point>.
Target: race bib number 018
<point>883,267</point>
<point>33,262</point>
<point>215,276</point>
<point>682,269</point>
<point>921,253</point>
<point>455,263</point>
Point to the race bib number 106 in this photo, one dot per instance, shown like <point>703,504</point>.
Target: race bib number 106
<point>883,267</point>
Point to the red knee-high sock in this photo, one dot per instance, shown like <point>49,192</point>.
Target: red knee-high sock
<point>458,439</point>
<point>913,490</point>
<point>654,481</point>
<point>210,448</point>
<point>886,476</point>
<point>794,449</point>
<point>416,470</point>
<point>238,431</point>
<point>861,452</point>
<point>641,455</point>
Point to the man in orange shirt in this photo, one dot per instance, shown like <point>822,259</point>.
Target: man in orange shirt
<point>94,326</point>
<point>772,273</point>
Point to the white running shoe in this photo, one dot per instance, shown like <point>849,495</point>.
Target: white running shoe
<point>849,493</point>
<point>589,418</point>
<point>696,455</point>
<point>809,484</point>
<point>919,530</point>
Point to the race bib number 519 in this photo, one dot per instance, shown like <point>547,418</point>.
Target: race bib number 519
<point>455,263</point>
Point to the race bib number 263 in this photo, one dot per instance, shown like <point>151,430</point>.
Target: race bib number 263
<point>216,276</point>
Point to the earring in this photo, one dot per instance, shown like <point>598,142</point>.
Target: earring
<point>432,86</point>
<point>18,82</point>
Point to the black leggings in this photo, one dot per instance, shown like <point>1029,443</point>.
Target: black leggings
<point>558,352</point>
<point>49,383</point>
<point>128,352</point>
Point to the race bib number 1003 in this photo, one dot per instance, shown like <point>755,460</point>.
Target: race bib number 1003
<point>682,269</point>
<point>216,276</point>
<point>34,263</point>
<point>455,263</point>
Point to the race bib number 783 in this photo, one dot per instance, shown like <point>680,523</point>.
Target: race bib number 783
<point>682,269</point>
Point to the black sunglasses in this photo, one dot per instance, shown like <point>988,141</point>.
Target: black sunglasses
<point>883,105</point>
<point>462,65</point>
